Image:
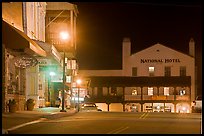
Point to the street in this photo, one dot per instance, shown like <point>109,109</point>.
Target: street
<point>116,123</point>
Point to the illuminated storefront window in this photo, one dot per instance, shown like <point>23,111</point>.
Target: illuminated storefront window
<point>166,90</point>
<point>68,79</point>
<point>150,90</point>
<point>134,92</point>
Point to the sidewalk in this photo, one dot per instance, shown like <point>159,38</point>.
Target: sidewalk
<point>10,120</point>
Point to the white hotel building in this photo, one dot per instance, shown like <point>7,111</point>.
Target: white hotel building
<point>156,79</point>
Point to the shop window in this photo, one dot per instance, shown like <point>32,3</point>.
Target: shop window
<point>150,90</point>
<point>148,108</point>
<point>68,79</point>
<point>166,90</point>
<point>134,92</point>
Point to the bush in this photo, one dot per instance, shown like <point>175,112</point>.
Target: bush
<point>12,105</point>
<point>30,104</point>
<point>12,102</point>
<point>30,100</point>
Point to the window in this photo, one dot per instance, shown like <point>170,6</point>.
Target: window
<point>182,92</point>
<point>182,71</point>
<point>167,71</point>
<point>40,87</point>
<point>166,90</point>
<point>134,71</point>
<point>100,90</point>
<point>68,79</point>
<point>134,92</point>
<point>113,91</point>
<point>150,90</point>
<point>151,71</point>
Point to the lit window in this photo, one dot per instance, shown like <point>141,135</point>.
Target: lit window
<point>68,79</point>
<point>166,90</point>
<point>134,92</point>
<point>66,60</point>
<point>151,71</point>
<point>182,92</point>
<point>150,90</point>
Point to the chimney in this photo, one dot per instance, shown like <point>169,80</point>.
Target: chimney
<point>192,47</point>
<point>126,51</point>
<point>126,47</point>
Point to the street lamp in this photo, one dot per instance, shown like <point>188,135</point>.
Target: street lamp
<point>78,81</point>
<point>51,74</point>
<point>64,36</point>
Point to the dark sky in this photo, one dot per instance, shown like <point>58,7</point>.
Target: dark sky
<point>101,28</point>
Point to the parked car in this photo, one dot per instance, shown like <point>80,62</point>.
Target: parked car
<point>89,107</point>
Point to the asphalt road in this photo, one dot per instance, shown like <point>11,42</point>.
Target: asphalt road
<point>116,123</point>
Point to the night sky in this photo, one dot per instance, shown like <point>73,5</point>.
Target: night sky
<point>101,28</point>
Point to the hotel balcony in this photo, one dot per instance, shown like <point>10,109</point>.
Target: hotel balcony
<point>183,97</point>
<point>132,97</point>
<point>160,97</point>
<point>102,99</point>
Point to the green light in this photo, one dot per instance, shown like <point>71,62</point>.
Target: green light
<point>52,73</point>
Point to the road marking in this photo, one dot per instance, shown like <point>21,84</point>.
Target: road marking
<point>25,124</point>
<point>115,131</point>
<point>144,115</point>
<point>121,130</point>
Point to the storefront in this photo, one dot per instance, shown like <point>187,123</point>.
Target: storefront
<point>20,55</point>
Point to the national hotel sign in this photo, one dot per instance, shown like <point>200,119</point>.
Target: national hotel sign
<point>159,60</point>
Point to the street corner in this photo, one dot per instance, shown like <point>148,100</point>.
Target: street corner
<point>59,114</point>
<point>4,131</point>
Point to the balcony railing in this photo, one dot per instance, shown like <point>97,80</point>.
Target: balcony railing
<point>105,99</point>
<point>147,97</point>
<point>136,98</point>
<point>160,97</point>
<point>183,97</point>
<point>132,97</point>
<point>170,97</point>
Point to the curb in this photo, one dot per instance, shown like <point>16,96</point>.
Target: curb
<point>40,118</point>
<point>57,115</point>
<point>4,131</point>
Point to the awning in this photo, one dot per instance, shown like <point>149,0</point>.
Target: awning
<point>50,50</point>
<point>17,40</point>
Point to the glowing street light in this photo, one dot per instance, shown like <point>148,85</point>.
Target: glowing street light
<point>78,81</point>
<point>52,73</point>
<point>63,36</point>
